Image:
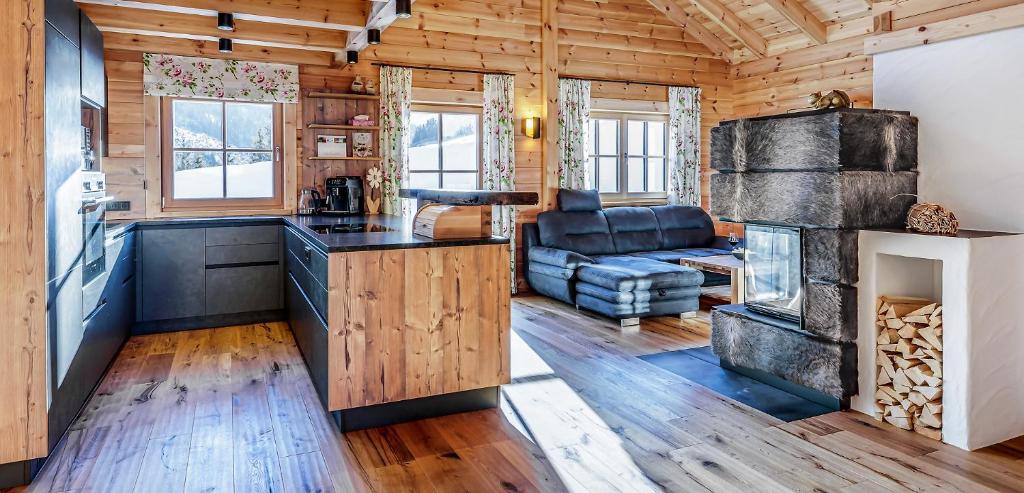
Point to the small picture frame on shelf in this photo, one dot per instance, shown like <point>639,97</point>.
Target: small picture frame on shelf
<point>331,146</point>
<point>362,144</point>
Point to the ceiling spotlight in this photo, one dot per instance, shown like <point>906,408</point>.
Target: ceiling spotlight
<point>225,21</point>
<point>224,45</point>
<point>373,36</point>
<point>352,57</point>
<point>403,8</point>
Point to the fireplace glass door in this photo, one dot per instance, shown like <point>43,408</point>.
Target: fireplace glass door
<point>772,271</point>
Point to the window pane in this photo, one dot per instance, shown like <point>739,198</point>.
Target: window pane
<point>592,172</point>
<point>250,175</point>
<point>655,175</point>
<point>424,180</point>
<point>592,137</point>
<point>250,126</point>
<point>635,174</point>
<point>423,151</point>
<point>608,133</point>
<point>608,174</point>
<point>198,175</point>
<point>459,181</point>
<point>461,142</point>
<point>655,138</point>
<point>635,137</point>
<point>198,124</point>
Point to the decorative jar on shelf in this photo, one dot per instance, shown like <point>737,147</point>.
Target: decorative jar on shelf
<point>358,87</point>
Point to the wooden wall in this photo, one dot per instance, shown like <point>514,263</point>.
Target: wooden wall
<point>23,423</point>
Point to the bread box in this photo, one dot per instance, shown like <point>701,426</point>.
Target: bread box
<point>452,222</point>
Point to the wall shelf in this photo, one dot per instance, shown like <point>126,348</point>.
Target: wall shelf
<point>341,95</point>
<point>343,127</point>
<point>340,158</point>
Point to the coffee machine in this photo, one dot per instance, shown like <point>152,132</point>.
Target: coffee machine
<point>344,195</point>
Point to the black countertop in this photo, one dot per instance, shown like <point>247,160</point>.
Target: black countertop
<point>398,235</point>
<point>469,197</point>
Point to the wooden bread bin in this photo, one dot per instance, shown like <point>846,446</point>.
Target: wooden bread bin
<point>452,222</point>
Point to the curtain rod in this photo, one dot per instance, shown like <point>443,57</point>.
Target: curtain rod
<point>627,82</point>
<point>421,67</point>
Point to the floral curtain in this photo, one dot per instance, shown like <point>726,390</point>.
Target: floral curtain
<point>395,112</point>
<point>573,117</point>
<point>192,77</point>
<point>499,147</point>
<point>684,142</point>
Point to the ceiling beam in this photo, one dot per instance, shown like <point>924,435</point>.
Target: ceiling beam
<point>732,24</point>
<point>798,15</point>
<point>692,25</point>
<point>382,15</point>
<point>173,24</point>
<point>345,15</point>
<point>207,47</point>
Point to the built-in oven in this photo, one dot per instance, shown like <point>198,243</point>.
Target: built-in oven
<point>94,199</point>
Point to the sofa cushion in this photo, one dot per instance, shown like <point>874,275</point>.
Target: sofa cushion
<point>582,232</point>
<point>556,257</point>
<point>634,229</point>
<point>683,227</point>
<point>552,270</point>
<point>627,273</point>
<point>578,200</point>
<point>640,308</point>
<point>636,296</point>
<point>674,256</point>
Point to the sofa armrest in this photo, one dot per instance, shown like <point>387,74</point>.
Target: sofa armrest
<point>558,258</point>
<point>722,243</point>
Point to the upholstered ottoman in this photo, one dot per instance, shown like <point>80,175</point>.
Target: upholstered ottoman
<point>628,287</point>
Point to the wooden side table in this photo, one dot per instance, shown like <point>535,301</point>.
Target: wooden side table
<point>721,264</point>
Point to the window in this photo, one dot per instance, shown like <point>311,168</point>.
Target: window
<point>445,148</point>
<point>221,154</point>
<point>628,155</point>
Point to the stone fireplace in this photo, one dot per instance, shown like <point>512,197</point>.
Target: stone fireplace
<point>804,183</point>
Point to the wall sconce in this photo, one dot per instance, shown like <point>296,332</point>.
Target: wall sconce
<point>531,127</point>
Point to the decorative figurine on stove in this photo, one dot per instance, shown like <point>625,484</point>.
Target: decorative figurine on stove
<point>831,99</point>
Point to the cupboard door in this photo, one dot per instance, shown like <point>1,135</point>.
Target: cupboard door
<point>63,15</point>
<point>94,81</point>
<point>173,274</point>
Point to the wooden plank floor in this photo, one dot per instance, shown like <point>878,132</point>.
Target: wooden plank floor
<point>232,409</point>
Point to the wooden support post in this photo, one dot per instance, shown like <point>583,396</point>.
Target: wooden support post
<point>549,110</point>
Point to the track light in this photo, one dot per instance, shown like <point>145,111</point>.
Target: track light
<point>373,36</point>
<point>403,8</point>
<point>224,45</point>
<point>352,57</point>
<point>225,21</point>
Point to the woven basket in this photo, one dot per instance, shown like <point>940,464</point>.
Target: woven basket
<point>932,218</point>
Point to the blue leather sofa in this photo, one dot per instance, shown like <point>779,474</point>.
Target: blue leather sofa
<point>621,262</point>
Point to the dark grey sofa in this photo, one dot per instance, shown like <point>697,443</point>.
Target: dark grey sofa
<point>621,262</point>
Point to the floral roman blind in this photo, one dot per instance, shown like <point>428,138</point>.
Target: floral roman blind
<point>395,114</point>
<point>684,145</point>
<point>192,77</point>
<point>499,158</point>
<point>573,118</point>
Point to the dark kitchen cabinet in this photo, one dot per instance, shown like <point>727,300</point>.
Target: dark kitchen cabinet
<point>65,17</point>
<point>173,274</point>
<point>243,289</point>
<point>306,304</point>
<point>94,81</point>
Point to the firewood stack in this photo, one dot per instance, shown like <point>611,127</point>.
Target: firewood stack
<point>909,359</point>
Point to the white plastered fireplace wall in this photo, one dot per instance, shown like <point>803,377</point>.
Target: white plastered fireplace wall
<point>979,280</point>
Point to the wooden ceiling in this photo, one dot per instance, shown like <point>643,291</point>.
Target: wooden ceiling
<point>732,30</point>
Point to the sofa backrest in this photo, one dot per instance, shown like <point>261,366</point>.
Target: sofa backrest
<point>684,226</point>
<point>579,224</point>
<point>634,229</point>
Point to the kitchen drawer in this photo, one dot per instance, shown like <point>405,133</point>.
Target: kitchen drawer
<point>316,292</point>
<point>312,259</point>
<point>242,235</point>
<point>242,254</point>
<point>310,335</point>
<point>243,289</point>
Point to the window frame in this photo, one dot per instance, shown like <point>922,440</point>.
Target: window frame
<point>440,110</point>
<point>622,156</point>
<point>169,203</point>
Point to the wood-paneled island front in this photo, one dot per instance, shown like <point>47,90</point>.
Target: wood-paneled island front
<point>395,326</point>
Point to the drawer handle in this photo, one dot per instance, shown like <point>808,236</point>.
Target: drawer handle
<point>308,252</point>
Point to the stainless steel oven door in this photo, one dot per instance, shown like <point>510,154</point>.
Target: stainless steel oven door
<point>94,232</point>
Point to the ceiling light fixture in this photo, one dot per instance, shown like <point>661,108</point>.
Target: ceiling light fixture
<point>373,36</point>
<point>225,21</point>
<point>403,8</point>
<point>224,45</point>
<point>352,57</point>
